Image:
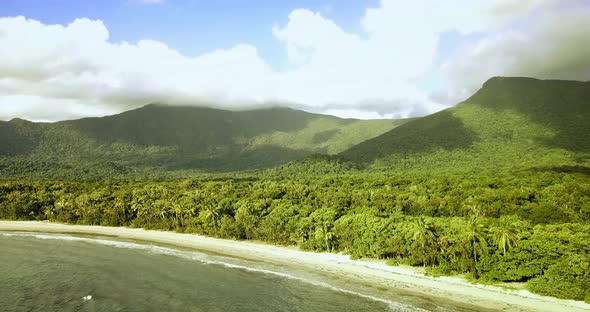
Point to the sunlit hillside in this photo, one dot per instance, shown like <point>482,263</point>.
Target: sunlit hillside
<point>509,123</point>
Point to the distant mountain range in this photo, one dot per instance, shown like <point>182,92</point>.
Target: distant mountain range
<point>166,138</point>
<point>508,123</point>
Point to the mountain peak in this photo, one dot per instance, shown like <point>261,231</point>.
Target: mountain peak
<point>547,116</point>
<point>507,81</point>
<point>164,137</point>
<point>20,121</point>
<point>531,93</point>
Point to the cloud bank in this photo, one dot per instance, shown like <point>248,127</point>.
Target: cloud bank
<point>52,72</point>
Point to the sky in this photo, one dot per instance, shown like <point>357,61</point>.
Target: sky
<point>64,59</point>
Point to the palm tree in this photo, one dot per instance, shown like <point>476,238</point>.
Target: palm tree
<point>323,220</point>
<point>424,235</point>
<point>121,209</point>
<point>505,234</point>
<point>443,251</point>
<point>212,214</point>
<point>324,233</point>
<point>178,211</point>
<point>475,236</point>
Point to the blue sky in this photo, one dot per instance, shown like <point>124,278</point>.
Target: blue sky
<point>192,26</point>
<point>64,59</point>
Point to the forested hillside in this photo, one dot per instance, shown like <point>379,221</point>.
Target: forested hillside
<point>510,123</point>
<point>153,140</point>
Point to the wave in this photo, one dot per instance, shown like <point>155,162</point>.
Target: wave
<point>212,260</point>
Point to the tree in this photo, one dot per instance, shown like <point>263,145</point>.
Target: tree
<point>475,240</point>
<point>323,219</point>
<point>505,235</point>
<point>425,236</point>
<point>211,215</point>
<point>568,278</point>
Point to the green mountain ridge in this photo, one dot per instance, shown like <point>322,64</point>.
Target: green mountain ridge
<point>167,138</point>
<point>509,123</point>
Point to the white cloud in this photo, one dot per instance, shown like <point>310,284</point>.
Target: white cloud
<point>46,64</point>
<point>55,71</point>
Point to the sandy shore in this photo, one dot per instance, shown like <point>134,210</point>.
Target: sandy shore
<point>368,272</point>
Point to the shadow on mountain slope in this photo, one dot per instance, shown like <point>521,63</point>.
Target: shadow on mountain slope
<point>17,137</point>
<point>565,169</point>
<point>324,136</point>
<point>197,127</point>
<point>504,115</point>
<point>258,158</point>
<point>563,106</point>
<point>441,130</point>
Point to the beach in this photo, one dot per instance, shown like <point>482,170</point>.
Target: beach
<point>377,273</point>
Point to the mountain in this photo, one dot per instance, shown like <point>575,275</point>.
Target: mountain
<point>165,138</point>
<point>508,123</point>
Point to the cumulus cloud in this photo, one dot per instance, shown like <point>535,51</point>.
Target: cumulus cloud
<point>50,72</point>
<point>76,63</point>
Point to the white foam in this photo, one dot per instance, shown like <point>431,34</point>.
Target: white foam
<point>113,243</point>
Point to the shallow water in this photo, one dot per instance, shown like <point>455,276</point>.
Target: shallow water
<point>44,272</point>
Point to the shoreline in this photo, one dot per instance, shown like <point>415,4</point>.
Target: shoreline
<point>375,273</point>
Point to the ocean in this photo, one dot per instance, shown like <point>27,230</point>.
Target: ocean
<point>50,272</point>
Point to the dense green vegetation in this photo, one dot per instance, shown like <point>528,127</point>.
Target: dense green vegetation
<point>496,188</point>
<point>153,140</point>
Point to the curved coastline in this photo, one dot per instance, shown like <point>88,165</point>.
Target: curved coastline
<point>447,289</point>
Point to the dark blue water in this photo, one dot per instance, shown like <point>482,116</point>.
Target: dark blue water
<point>42,272</point>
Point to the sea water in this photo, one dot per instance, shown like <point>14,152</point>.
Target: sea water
<point>49,272</point>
